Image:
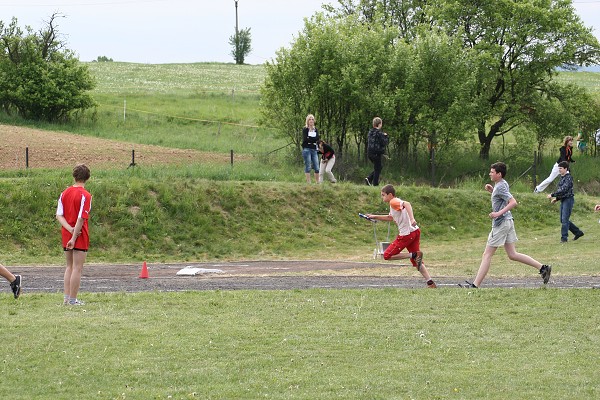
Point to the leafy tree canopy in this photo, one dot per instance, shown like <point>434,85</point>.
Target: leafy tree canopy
<point>519,46</point>
<point>241,45</point>
<point>39,78</point>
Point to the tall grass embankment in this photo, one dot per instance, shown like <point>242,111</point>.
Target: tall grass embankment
<point>190,219</point>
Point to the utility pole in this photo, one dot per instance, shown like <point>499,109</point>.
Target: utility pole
<point>237,34</point>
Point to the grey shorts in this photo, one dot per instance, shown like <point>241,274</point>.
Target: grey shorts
<point>502,234</point>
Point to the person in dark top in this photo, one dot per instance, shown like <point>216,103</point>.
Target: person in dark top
<point>376,144</point>
<point>327,161</point>
<point>310,138</point>
<point>566,154</point>
<point>564,193</point>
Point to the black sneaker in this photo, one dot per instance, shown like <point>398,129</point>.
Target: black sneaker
<point>580,234</point>
<point>16,286</point>
<point>545,272</point>
<point>368,182</point>
<point>468,285</point>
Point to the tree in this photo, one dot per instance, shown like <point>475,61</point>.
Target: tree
<point>39,78</point>
<point>334,71</point>
<point>405,15</point>
<point>435,99</point>
<point>568,108</point>
<point>519,46</point>
<point>240,45</point>
<point>346,73</point>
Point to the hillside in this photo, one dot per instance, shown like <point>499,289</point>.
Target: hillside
<point>136,217</point>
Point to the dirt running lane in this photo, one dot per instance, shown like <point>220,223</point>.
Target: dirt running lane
<point>262,275</point>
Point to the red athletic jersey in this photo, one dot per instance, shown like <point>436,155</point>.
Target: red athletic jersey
<point>75,202</point>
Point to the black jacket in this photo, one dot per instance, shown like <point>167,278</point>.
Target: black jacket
<point>566,154</point>
<point>327,152</point>
<point>310,142</point>
<point>376,141</point>
<point>564,189</point>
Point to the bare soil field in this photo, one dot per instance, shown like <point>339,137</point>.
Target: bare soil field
<point>59,150</point>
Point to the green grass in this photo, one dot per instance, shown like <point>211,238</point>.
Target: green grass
<point>588,80</point>
<point>174,215</point>
<point>216,107</point>
<point>304,344</point>
<point>184,79</point>
<point>203,106</point>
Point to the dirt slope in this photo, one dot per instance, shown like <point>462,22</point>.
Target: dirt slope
<point>58,149</point>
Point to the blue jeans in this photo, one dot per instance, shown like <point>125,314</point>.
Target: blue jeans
<point>311,157</point>
<point>566,206</point>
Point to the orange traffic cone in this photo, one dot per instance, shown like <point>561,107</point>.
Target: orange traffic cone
<point>144,273</point>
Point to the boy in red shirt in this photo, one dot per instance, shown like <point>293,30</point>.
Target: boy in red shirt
<point>409,234</point>
<point>74,206</point>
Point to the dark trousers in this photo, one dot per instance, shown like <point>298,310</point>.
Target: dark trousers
<point>377,167</point>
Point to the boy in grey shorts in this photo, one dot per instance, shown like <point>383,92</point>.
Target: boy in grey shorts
<point>503,229</point>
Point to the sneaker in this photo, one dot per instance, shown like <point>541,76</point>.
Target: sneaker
<point>16,286</point>
<point>563,240</point>
<point>76,302</point>
<point>467,285</point>
<point>418,257</point>
<point>431,285</point>
<point>545,272</point>
<point>368,182</point>
<point>580,234</point>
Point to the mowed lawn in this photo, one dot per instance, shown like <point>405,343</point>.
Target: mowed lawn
<point>304,344</point>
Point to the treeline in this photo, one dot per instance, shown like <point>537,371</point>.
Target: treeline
<point>438,73</point>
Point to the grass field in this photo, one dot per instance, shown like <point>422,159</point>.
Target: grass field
<point>305,344</point>
<point>301,344</point>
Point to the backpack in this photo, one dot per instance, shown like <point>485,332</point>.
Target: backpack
<point>375,143</point>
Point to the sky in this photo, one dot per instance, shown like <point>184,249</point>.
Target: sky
<point>184,31</point>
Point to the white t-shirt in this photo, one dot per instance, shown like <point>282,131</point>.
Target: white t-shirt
<point>402,220</point>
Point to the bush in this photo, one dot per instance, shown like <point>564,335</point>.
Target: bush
<point>39,79</point>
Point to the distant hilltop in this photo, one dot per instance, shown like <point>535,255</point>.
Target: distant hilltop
<point>576,68</point>
<point>591,68</point>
